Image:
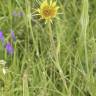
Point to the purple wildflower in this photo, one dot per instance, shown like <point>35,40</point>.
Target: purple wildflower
<point>1,37</point>
<point>13,36</point>
<point>17,13</point>
<point>14,13</point>
<point>9,48</point>
<point>20,14</point>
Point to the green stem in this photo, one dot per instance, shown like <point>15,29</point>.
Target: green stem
<point>55,54</point>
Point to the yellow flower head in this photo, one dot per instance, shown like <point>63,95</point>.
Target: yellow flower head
<point>48,10</point>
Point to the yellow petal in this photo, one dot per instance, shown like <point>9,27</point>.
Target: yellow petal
<point>57,8</point>
<point>38,10</point>
<point>53,4</point>
<point>50,2</point>
<point>45,3</point>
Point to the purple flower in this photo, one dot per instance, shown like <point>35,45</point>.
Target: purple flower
<point>13,36</point>
<point>17,13</point>
<point>14,13</point>
<point>1,37</point>
<point>9,48</point>
<point>20,14</point>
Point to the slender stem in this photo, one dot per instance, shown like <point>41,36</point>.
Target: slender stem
<point>55,54</point>
<point>85,21</point>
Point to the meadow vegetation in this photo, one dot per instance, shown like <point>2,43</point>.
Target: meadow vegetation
<point>48,58</point>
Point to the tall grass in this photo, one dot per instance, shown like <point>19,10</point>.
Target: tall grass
<point>53,59</point>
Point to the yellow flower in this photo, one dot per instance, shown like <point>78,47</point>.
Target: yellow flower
<point>48,10</point>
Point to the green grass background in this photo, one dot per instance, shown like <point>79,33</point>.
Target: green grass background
<point>56,59</point>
